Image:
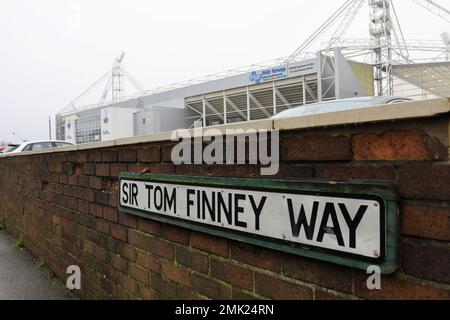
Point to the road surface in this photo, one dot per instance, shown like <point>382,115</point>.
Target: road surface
<point>22,279</point>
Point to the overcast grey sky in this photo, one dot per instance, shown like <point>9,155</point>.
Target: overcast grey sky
<point>51,50</point>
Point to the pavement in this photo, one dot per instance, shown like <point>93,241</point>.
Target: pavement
<point>22,279</point>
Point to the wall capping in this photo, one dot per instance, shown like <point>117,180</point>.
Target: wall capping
<point>394,112</point>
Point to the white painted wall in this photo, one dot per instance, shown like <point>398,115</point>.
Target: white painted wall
<point>117,123</point>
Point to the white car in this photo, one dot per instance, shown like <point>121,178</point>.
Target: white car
<point>338,105</point>
<point>39,145</point>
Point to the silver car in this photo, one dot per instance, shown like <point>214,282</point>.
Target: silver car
<point>338,105</point>
<point>38,146</point>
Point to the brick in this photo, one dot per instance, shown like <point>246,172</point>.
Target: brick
<point>243,295</point>
<point>88,247</point>
<point>138,273</point>
<point>156,281</point>
<point>109,156</point>
<point>424,181</point>
<point>127,155</point>
<point>107,286</point>
<point>193,170</point>
<point>94,156</point>
<point>102,170</point>
<point>72,204</point>
<point>429,220</point>
<point>119,263</point>
<point>398,287</point>
<point>162,168</point>
<point>168,289</point>
<point>129,284</point>
<point>118,232</point>
<point>148,261</point>
<point>56,167</point>
<point>428,260</point>
<point>110,185</point>
<point>102,227</point>
<point>326,296</point>
<point>175,234</point>
<point>54,177</point>
<point>210,288</point>
<point>147,294</point>
<point>183,293</point>
<point>83,206</point>
<point>404,145</point>
<point>232,274</point>
<point>255,256</point>
<point>292,171</point>
<point>138,239</point>
<point>63,179</point>
<point>95,183</point>
<point>88,169</point>
<point>128,252</point>
<point>275,288</point>
<point>113,200</point>
<point>68,168</point>
<point>192,259</point>
<point>162,248</point>
<point>166,153</point>
<point>120,293</point>
<point>83,181</point>
<point>96,210</point>
<point>110,214</point>
<point>315,148</point>
<point>324,274</point>
<point>150,154</point>
<point>78,169</point>
<point>353,172</point>
<point>128,220</point>
<point>136,167</point>
<point>211,244</point>
<point>88,195</point>
<point>101,197</point>
<point>83,194</point>
<point>117,168</point>
<point>242,171</point>
<point>73,180</point>
<point>175,273</point>
<point>149,226</point>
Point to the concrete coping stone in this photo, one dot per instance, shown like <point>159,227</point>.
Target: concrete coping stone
<point>391,112</point>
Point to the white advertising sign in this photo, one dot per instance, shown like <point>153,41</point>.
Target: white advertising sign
<point>303,68</point>
<point>70,129</point>
<point>297,69</point>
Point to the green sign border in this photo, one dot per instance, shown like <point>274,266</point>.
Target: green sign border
<point>384,191</point>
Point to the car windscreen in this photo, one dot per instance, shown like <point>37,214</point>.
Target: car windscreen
<point>10,148</point>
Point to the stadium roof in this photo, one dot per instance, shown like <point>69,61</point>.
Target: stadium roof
<point>433,77</point>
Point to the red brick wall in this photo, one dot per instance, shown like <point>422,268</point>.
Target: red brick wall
<point>65,206</point>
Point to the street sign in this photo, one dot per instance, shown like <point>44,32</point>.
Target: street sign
<point>354,224</point>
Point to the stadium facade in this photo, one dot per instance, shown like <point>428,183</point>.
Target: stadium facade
<point>254,95</point>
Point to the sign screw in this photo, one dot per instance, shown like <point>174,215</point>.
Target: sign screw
<point>376,253</point>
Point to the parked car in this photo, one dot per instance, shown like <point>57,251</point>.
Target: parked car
<point>37,146</point>
<point>10,147</point>
<point>338,105</point>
